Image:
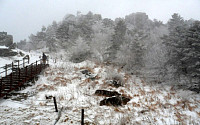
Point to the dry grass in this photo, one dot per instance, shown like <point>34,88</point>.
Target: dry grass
<point>61,97</point>
<point>198,113</point>
<point>76,69</point>
<point>168,97</point>
<point>142,92</point>
<point>136,95</point>
<point>43,104</point>
<point>75,78</point>
<point>135,104</point>
<point>61,81</point>
<point>127,96</point>
<point>43,87</point>
<point>93,84</point>
<point>116,109</point>
<point>191,108</point>
<point>126,77</point>
<point>151,108</point>
<point>119,70</point>
<point>60,73</point>
<point>180,117</point>
<point>152,92</point>
<point>48,73</point>
<point>97,77</point>
<point>85,82</point>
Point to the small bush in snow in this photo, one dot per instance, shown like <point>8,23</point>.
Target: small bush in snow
<point>115,78</point>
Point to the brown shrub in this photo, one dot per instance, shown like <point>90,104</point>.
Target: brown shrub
<point>60,73</point>
<point>118,110</point>
<point>198,113</point>
<point>135,104</point>
<point>75,78</point>
<point>45,87</point>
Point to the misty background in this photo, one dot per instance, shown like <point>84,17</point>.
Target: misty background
<point>23,17</point>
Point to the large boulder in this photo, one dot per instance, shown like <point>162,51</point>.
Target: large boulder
<point>106,93</point>
<point>115,101</point>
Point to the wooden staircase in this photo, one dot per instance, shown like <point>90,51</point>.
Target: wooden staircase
<point>19,76</point>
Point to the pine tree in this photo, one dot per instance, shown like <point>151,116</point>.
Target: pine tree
<point>175,43</point>
<point>117,39</point>
<point>191,53</point>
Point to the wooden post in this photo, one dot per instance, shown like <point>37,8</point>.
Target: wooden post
<point>28,59</point>
<point>12,66</point>
<point>23,63</point>
<point>54,100</point>
<point>18,63</point>
<point>11,80</point>
<point>19,74</point>
<point>82,117</point>
<point>1,87</point>
<point>36,67</point>
<point>31,70</point>
<point>6,70</point>
<point>40,65</point>
<point>26,71</point>
<point>47,59</point>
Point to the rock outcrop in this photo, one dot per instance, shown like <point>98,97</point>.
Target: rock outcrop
<point>115,101</point>
<point>106,93</point>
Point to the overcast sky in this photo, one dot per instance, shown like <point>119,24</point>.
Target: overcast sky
<point>20,18</point>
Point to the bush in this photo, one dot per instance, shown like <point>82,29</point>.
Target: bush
<point>116,78</point>
<point>80,56</point>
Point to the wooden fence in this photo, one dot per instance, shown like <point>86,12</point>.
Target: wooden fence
<point>15,75</point>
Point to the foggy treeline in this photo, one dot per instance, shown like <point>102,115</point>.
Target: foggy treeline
<point>158,52</point>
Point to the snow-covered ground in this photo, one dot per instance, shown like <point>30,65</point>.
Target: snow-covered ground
<point>3,47</point>
<point>149,104</point>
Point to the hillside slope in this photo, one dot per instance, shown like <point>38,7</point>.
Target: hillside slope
<point>149,104</point>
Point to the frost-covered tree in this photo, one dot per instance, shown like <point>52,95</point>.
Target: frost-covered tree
<point>117,39</point>
<point>51,40</point>
<point>80,51</point>
<point>138,20</point>
<point>130,56</point>
<point>108,22</point>
<point>38,41</point>
<point>101,41</point>
<point>21,44</point>
<point>175,43</point>
<point>191,53</point>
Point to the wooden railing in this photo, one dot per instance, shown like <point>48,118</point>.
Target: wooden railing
<point>17,75</point>
<point>11,66</point>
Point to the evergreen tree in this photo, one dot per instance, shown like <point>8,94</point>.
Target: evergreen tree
<point>117,39</point>
<point>175,43</point>
<point>191,52</point>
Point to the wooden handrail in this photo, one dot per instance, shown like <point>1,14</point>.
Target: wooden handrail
<point>9,67</point>
<point>20,75</point>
